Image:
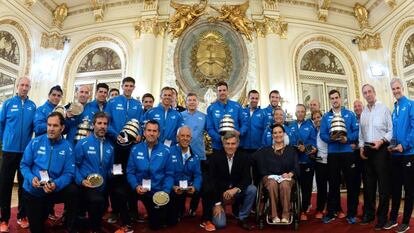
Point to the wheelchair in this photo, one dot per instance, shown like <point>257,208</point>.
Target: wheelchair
<point>263,208</point>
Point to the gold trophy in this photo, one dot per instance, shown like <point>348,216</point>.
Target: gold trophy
<point>338,128</point>
<point>130,132</point>
<point>84,130</point>
<point>161,198</point>
<point>95,180</point>
<point>226,124</point>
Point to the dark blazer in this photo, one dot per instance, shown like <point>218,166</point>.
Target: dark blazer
<point>222,180</point>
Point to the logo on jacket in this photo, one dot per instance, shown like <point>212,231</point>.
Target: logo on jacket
<point>62,152</point>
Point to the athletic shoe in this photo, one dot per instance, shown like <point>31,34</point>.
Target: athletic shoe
<point>340,214</point>
<point>303,216</point>
<point>351,219</point>
<point>191,213</point>
<point>390,224</point>
<point>4,227</point>
<point>402,228</point>
<point>23,223</point>
<point>113,218</point>
<point>208,226</point>
<point>319,215</point>
<point>328,218</point>
<point>125,229</point>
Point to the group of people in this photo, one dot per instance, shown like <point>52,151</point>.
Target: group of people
<point>168,156</point>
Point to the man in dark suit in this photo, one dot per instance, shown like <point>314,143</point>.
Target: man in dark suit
<point>230,177</point>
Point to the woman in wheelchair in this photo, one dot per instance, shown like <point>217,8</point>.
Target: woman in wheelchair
<point>278,166</point>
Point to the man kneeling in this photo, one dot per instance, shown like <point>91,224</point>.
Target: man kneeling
<point>230,175</point>
<point>48,168</point>
<point>187,173</point>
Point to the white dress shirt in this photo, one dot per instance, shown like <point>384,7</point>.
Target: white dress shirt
<point>375,124</point>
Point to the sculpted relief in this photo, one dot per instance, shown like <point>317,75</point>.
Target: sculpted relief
<point>321,60</point>
<point>211,59</point>
<point>100,59</point>
<point>9,50</point>
<point>408,55</point>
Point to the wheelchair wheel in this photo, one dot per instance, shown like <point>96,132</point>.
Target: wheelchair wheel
<point>259,198</point>
<point>296,206</point>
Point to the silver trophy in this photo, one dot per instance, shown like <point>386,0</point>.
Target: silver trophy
<point>130,132</point>
<point>74,108</point>
<point>338,128</point>
<point>84,130</point>
<point>226,124</point>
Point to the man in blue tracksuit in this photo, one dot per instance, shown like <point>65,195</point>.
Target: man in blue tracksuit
<point>402,159</point>
<point>71,122</point>
<point>256,121</point>
<point>16,128</point>
<point>215,112</point>
<point>278,118</point>
<point>306,136</point>
<point>274,99</point>
<point>48,168</point>
<point>89,111</point>
<point>94,155</point>
<point>168,118</point>
<point>340,158</point>
<point>187,174</point>
<point>39,120</point>
<point>150,170</point>
<point>122,109</point>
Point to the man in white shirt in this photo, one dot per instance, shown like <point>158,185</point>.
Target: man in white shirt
<point>374,134</point>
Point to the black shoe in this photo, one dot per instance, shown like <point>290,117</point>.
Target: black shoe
<point>379,226</point>
<point>390,224</point>
<point>402,228</point>
<point>366,220</point>
<point>245,225</point>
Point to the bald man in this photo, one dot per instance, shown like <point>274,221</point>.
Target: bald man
<point>358,108</point>
<point>314,105</point>
<point>71,122</point>
<point>16,129</point>
<point>187,173</point>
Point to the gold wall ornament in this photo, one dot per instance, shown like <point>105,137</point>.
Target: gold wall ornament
<point>26,41</point>
<point>150,5</point>
<point>391,3</point>
<point>396,41</point>
<point>98,7</point>
<point>323,9</point>
<point>100,59</point>
<point>29,3</point>
<point>368,41</point>
<point>342,49</point>
<point>408,54</point>
<point>211,59</point>
<point>271,26</point>
<point>185,16</point>
<point>150,26</point>
<point>321,60</point>
<point>236,16</point>
<point>60,14</point>
<point>361,14</point>
<point>9,49</point>
<point>271,5</point>
<point>53,40</point>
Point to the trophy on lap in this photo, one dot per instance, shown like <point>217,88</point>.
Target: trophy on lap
<point>338,128</point>
<point>226,124</point>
